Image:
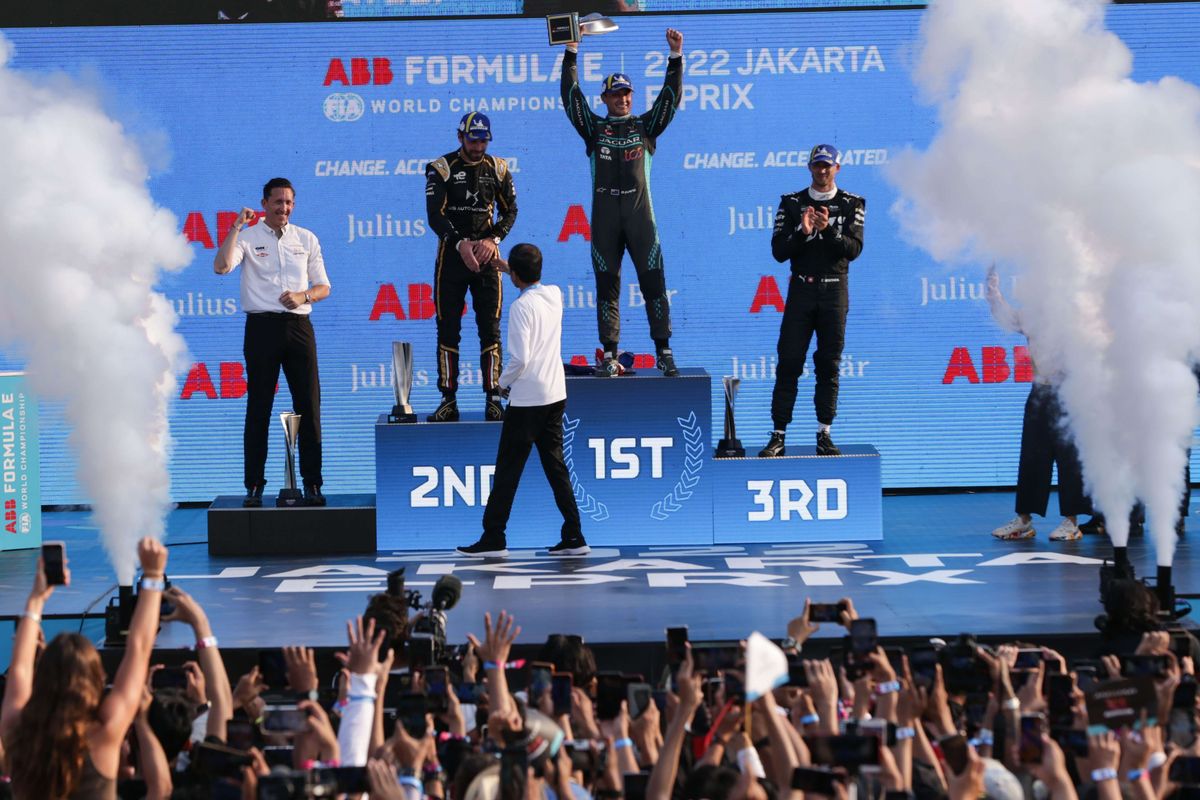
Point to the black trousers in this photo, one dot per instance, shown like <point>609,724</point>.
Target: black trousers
<point>1043,444</point>
<point>619,226</point>
<point>286,340</point>
<point>451,282</point>
<point>524,427</point>
<point>812,307</point>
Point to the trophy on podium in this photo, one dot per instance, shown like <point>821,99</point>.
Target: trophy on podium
<point>730,446</point>
<point>570,28</point>
<point>289,495</point>
<point>401,383</point>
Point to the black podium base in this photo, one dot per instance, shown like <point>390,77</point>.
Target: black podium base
<point>345,525</point>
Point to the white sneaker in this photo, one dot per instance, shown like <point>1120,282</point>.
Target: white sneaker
<point>1066,531</point>
<point>1016,529</point>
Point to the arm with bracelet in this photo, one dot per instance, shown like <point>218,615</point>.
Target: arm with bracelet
<point>216,679</point>
<point>494,650</point>
<point>19,687</point>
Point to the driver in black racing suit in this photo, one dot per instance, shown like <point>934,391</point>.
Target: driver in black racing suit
<point>621,148</point>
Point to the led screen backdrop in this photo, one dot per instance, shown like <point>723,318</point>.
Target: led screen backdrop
<point>351,112</point>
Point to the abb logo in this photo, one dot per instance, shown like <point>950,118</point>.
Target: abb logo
<point>232,385</point>
<point>575,224</point>
<point>362,72</point>
<point>197,231</point>
<point>420,302</point>
<point>767,295</point>
<point>10,516</point>
<point>994,364</point>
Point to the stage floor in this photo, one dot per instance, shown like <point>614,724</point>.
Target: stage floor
<point>937,572</point>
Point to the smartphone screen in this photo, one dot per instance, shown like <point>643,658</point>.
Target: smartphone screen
<point>539,679</point>
<point>817,781</point>
<point>471,693</point>
<point>420,651</point>
<point>1028,658</point>
<point>797,676</point>
<point>735,690</point>
<point>53,561</point>
<point>220,761</point>
<point>1145,666</point>
<point>635,785</point>
<point>825,612</point>
<point>1031,748</point>
<point>410,711</point>
<point>273,668</point>
<point>1074,741</point>
<point>923,662</point>
<point>561,686</point>
<point>437,690</point>
<point>954,748</point>
<point>638,696</point>
<point>284,720</point>
<point>350,780</point>
<point>610,691</point>
<point>863,639</point>
<point>1059,690</point>
<point>677,639</point>
<point>1185,770</point>
<point>845,750</point>
<point>169,678</point>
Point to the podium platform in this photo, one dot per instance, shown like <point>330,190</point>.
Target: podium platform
<point>346,524</point>
<point>639,450</point>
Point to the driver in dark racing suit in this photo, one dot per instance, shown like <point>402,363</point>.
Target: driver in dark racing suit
<point>621,148</point>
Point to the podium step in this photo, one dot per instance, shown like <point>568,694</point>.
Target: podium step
<point>345,525</point>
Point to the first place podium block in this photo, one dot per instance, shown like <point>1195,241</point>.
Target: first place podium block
<point>636,447</point>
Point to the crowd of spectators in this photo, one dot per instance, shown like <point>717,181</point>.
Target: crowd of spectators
<point>408,716</point>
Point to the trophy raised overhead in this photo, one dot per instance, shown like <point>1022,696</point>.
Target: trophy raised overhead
<point>570,28</point>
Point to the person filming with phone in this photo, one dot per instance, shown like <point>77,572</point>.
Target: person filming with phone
<point>62,732</point>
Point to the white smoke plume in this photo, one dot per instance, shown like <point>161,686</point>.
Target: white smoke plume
<point>81,247</point>
<point>1051,161</point>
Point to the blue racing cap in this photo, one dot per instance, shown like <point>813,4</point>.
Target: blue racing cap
<point>617,82</point>
<point>826,153</point>
<point>476,127</point>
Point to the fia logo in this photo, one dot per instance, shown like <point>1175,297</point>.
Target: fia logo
<point>344,107</point>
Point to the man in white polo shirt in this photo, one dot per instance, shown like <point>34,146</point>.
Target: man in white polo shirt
<point>537,395</point>
<point>283,275</point>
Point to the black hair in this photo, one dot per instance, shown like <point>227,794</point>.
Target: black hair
<point>277,183</point>
<point>390,614</point>
<point>525,261</point>
<point>170,716</point>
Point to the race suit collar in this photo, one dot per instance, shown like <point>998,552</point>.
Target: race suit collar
<point>815,195</point>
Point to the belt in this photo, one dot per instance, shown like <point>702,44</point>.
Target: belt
<point>284,314</point>
<point>818,278</point>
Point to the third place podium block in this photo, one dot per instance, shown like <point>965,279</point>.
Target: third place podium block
<point>639,452</point>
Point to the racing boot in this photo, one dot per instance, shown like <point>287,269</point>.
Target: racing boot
<point>774,448</point>
<point>447,410</point>
<point>825,445</point>
<point>493,411</point>
<point>666,363</point>
<point>609,367</point>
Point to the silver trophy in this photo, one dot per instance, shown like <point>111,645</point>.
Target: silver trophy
<point>730,446</point>
<point>289,495</point>
<point>402,378</point>
<point>570,28</point>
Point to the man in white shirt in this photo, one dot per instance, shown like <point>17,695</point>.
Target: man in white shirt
<point>537,395</point>
<point>283,275</point>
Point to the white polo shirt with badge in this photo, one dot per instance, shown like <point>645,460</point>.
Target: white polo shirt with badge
<point>273,264</point>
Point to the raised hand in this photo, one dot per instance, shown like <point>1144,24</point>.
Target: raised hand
<point>675,40</point>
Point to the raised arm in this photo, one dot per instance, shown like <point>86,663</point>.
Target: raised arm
<point>228,256</point>
<point>216,679</point>
<point>121,704</point>
<point>25,643</point>
<point>1005,315</point>
<point>583,119</point>
<point>662,112</point>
